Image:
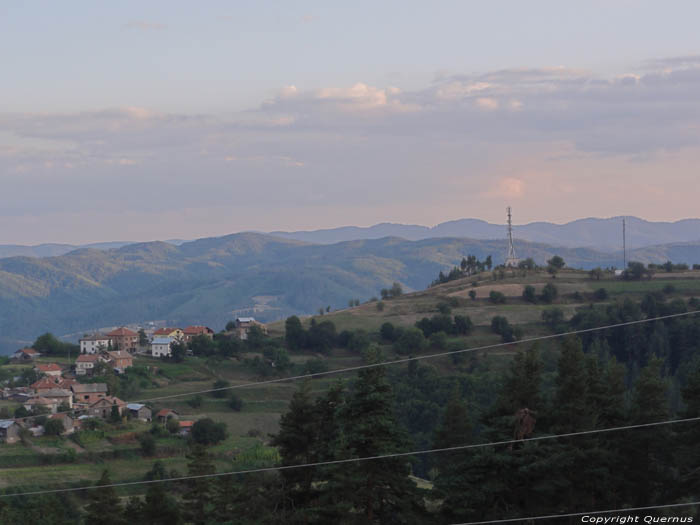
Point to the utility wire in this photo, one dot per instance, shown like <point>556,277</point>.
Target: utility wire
<point>357,460</point>
<point>590,513</point>
<point>400,361</point>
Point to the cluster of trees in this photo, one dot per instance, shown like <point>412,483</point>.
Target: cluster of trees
<point>389,293</point>
<point>49,344</point>
<point>470,265</point>
<point>548,295</point>
<point>508,332</point>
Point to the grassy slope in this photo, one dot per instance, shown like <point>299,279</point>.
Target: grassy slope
<point>265,403</point>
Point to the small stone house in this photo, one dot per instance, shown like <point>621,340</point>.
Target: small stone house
<point>9,431</point>
<point>139,411</point>
<point>103,407</point>
<point>87,394</point>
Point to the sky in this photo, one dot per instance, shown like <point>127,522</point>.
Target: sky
<point>157,120</point>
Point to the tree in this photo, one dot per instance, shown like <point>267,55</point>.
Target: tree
<point>104,508</point>
<point>178,351</point>
<point>396,290</point>
<point>635,271</point>
<point>114,415</point>
<point>497,297</point>
<point>294,334</point>
<point>219,388</point>
<point>380,306</point>
<point>463,324</point>
<point>527,264</point>
<point>172,425</point>
<point>143,338</point>
<point>596,273</point>
<point>529,294</point>
<point>235,402</point>
<point>472,295</point>
<point>148,444</point>
<point>380,490</point>
<point>554,265</point>
<point>207,432</point>
<point>601,294</point>
<point>197,499</point>
<point>411,341</point>
<point>554,319</point>
<point>54,427</point>
<point>388,332</point>
<point>549,293</point>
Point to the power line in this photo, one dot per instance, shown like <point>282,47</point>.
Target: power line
<point>418,358</point>
<point>401,361</point>
<point>591,513</point>
<point>356,460</point>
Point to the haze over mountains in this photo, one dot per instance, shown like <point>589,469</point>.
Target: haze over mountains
<point>600,234</point>
<point>212,280</point>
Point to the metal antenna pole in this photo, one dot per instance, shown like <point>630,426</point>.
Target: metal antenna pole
<point>624,245</point>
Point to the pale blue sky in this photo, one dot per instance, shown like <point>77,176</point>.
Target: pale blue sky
<point>145,120</point>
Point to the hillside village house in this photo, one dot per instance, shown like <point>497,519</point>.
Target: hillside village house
<point>25,354</point>
<point>164,414</point>
<point>174,333</point>
<point>160,346</point>
<point>94,343</point>
<point>139,411</point>
<point>86,363</point>
<point>49,383</point>
<point>9,431</point>
<point>49,369</point>
<point>59,395</point>
<point>124,339</point>
<point>244,324</point>
<point>38,403</point>
<point>120,360</point>
<point>193,331</point>
<point>88,394</point>
<point>103,407</point>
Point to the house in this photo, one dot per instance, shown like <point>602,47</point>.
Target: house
<point>119,360</point>
<point>49,383</point>
<point>139,411</point>
<point>244,324</point>
<point>25,354</point>
<point>59,395</point>
<point>124,339</point>
<point>193,331</point>
<point>68,423</point>
<point>49,369</point>
<point>103,407</point>
<point>91,344</point>
<point>185,427</point>
<point>86,363</point>
<point>38,403</point>
<point>160,346</point>
<point>174,333</point>
<point>164,414</point>
<point>9,431</point>
<point>87,394</point>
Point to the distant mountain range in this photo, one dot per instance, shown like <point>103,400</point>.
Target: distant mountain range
<point>600,234</point>
<point>210,281</point>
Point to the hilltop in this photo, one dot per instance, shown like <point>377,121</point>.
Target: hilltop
<point>209,281</point>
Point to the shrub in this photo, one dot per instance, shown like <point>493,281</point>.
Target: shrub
<point>438,340</point>
<point>315,366</point>
<point>669,289</point>
<point>148,444</point>
<point>172,425</point>
<point>549,293</point>
<point>444,308</point>
<point>601,294</point>
<point>388,332</point>
<point>235,403</point>
<point>380,306</point>
<point>463,324</point>
<point>472,295</point>
<point>54,427</point>
<point>217,386</point>
<point>529,294</point>
<point>196,401</point>
<point>207,432</point>
<point>497,297</point>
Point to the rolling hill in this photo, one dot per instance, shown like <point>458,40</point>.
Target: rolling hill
<point>211,280</point>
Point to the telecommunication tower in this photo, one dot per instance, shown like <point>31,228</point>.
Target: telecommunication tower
<point>624,245</point>
<point>511,260</point>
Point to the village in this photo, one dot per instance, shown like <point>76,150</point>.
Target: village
<point>67,394</point>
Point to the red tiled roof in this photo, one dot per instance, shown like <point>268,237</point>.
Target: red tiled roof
<point>28,351</point>
<point>87,358</point>
<point>49,367</point>
<point>44,383</point>
<point>186,424</point>
<point>122,332</point>
<point>165,331</point>
<point>197,330</point>
<point>164,412</point>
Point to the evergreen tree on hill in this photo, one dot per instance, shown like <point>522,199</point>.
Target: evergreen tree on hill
<point>104,507</point>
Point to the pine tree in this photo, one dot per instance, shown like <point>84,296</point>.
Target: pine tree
<point>104,508</point>
<point>689,452</point>
<point>380,490</point>
<point>648,450</point>
<point>196,501</point>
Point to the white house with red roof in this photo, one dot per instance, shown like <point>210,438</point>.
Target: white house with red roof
<point>91,344</point>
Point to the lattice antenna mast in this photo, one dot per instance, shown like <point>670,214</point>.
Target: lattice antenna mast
<point>624,245</point>
<point>511,260</point>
